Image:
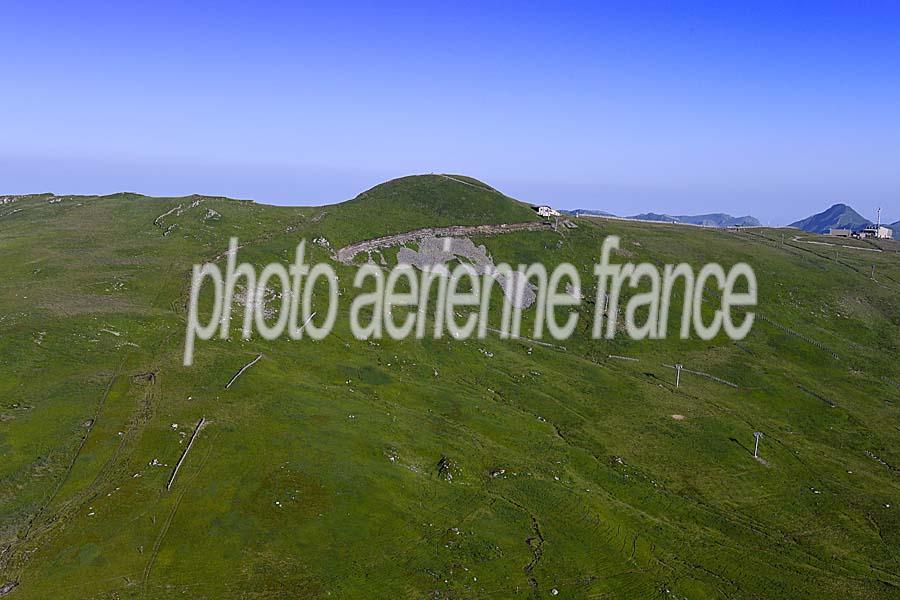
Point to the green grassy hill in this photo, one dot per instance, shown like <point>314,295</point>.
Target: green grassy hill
<point>420,201</point>
<point>322,470</point>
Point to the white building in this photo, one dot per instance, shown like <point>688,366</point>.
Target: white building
<point>546,211</point>
<point>878,231</point>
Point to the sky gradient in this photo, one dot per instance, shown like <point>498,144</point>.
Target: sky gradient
<point>767,110</point>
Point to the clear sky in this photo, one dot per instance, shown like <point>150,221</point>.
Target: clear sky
<point>772,110</point>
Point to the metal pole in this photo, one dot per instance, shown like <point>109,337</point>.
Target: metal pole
<point>757,435</point>
<point>677,375</point>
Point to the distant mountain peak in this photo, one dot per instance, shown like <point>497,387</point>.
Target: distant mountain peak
<point>838,216</point>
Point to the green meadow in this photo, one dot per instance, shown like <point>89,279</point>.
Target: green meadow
<point>437,468</point>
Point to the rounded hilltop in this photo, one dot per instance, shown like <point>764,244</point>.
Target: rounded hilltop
<point>430,179</point>
<point>456,196</point>
<point>433,200</point>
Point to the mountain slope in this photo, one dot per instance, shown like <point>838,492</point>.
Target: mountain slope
<point>322,472</point>
<point>839,216</point>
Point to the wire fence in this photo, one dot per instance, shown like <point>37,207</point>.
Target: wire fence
<point>799,335</point>
<point>616,356</point>
<point>706,375</point>
<point>817,396</point>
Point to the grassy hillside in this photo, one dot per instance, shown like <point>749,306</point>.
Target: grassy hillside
<point>420,201</point>
<point>322,471</point>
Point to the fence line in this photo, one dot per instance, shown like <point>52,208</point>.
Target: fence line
<point>818,396</point>
<point>187,449</point>
<point>241,372</point>
<point>622,357</point>
<point>799,335</point>
<point>707,375</point>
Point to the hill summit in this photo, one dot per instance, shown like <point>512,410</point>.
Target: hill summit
<point>839,216</point>
<point>417,201</point>
<point>454,197</point>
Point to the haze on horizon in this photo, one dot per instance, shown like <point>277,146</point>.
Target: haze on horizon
<point>767,110</point>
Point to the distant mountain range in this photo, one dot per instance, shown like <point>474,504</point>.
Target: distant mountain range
<point>839,216</point>
<point>590,213</point>
<point>710,220</point>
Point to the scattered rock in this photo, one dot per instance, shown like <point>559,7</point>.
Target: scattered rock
<point>436,252</point>
<point>447,468</point>
<point>8,587</point>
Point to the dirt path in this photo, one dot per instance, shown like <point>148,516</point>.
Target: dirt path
<point>797,238</point>
<point>70,467</point>
<point>43,521</point>
<point>164,531</point>
<point>472,185</point>
<point>347,253</point>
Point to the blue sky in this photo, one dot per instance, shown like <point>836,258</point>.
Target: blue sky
<point>771,110</point>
